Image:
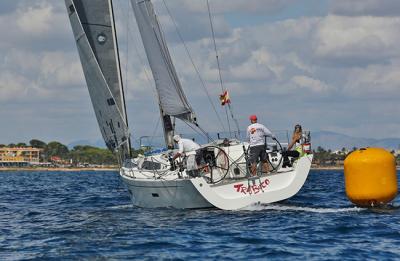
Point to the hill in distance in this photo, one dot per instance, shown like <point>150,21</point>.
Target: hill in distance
<point>95,143</point>
<point>336,141</point>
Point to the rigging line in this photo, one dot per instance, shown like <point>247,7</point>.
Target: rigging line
<point>155,130</point>
<point>199,131</point>
<point>127,47</point>
<point>194,65</point>
<point>235,120</point>
<point>141,60</point>
<point>206,134</point>
<point>127,76</point>
<point>218,64</point>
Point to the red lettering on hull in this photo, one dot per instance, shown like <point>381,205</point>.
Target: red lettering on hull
<point>253,189</point>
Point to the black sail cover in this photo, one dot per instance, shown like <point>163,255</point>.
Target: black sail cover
<point>92,23</point>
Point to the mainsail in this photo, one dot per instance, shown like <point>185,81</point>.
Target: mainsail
<point>172,99</point>
<point>93,25</point>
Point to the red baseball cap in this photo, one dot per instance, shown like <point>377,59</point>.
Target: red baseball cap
<point>253,117</point>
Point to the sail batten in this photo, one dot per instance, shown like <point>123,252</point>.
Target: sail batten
<point>92,24</point>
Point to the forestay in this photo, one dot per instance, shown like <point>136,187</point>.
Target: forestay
<point>92,22</point>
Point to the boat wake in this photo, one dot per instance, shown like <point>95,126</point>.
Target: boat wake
<point>277,207</point>
<point>126,206</point>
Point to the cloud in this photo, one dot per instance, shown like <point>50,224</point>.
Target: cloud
<point>365,7</point>
<point>196,12</point>
<point>222,6</point>
<point>176,12</point>
<point>42,75</point>
<point>35,20</point>
<point>308,83</point>
<point>38,25</point>
<point>260,65</point>
<point>12,86</point>
<point>335,69</point>
<point>294,60</point>
<point>60,69</point>
<point>357,41</point>
<point>374,82</point>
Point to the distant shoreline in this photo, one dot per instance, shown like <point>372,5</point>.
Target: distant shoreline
<point>327,168</point>
<point>335,168</point>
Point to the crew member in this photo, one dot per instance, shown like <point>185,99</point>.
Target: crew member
<point>256,134</point>
<point>188,148</point>
<point>296,142</point>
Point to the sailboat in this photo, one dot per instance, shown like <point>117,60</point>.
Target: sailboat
<point>152,180</point>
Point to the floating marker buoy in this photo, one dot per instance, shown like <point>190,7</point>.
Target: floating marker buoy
<point>370,177</point>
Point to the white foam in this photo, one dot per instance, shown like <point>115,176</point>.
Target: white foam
<point>301,209</point>
<point>121,206</point>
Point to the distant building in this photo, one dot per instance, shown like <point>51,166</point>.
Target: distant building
<point>19,157</point>
<point>341,152</point>
<point>59,162</point>
<point>55,159</point>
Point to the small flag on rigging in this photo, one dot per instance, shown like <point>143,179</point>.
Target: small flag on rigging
<point>224,98</point>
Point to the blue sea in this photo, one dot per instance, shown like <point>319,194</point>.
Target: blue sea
<point>88,215</point>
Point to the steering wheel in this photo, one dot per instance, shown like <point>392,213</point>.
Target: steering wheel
<point>218,162</point>
<point>271,157</point>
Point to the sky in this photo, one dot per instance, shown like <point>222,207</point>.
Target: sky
<point>329,65</point>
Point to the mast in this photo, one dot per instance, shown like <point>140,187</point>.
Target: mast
<point>172,100</point>
<point>169,130</point>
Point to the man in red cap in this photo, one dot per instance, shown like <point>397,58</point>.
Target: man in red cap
<point>256,133</point>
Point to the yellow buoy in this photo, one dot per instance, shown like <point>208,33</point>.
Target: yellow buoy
<point>370,177</point>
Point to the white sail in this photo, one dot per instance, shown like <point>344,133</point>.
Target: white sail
<point>172,99</point>
<point>92,23</point>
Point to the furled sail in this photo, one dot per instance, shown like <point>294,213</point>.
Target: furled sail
<point>172,100</point>
<point>92,23</point>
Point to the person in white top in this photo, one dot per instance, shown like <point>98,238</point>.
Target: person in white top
<point>256,134</point>
<point>187,148</point>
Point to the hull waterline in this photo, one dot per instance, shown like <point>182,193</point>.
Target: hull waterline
<point>231,194</point>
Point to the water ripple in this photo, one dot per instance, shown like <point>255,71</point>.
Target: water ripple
<point>88,215</point>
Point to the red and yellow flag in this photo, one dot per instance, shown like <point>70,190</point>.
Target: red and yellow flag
<point>224,98</point>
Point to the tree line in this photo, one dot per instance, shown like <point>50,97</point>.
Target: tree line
<point>95,155</point>
<point>78,154</point>
<point>325,157</point>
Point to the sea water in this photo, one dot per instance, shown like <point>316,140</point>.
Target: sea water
<point>87,215</point>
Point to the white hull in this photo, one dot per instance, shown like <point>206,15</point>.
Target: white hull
<point>266,189</point>
<point>233,192</point>
<point>178,193</point>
